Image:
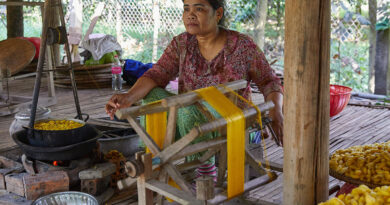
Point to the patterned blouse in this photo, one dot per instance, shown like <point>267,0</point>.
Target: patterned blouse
<point>239,59</point>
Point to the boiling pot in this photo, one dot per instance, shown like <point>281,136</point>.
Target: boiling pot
<point>58,138</point>
<point>22,118</point>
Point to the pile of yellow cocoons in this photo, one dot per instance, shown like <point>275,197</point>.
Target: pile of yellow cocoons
<point>368,163</point>
<point>57,125</point>
<point>362,195</point>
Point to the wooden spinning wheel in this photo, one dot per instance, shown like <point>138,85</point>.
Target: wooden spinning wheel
<point>152,173</point>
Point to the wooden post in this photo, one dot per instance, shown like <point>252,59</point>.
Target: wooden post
<point>15,26</point>
<point>205,188</point>
<point>118,26</point>
<point>382,62</point>
<point>306,105</point>
<point>156,18</point>
<point>54,22</point>
<point>372,5</point>
<point>260,21</point>
<point>145,196</point>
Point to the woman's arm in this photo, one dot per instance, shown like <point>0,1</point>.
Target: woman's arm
<point>139,90</point>
<point>269,84</point>
<point>276,114</point>
<point>160,74</point>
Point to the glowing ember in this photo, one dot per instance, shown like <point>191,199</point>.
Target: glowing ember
<point>55,163</point>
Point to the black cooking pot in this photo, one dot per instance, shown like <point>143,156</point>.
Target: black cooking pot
<point>58,138</point>
<point>69,152</point>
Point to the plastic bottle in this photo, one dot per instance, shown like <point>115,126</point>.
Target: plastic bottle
<point>116,71</point>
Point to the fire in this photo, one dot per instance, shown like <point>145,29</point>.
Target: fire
<point>55,163</point>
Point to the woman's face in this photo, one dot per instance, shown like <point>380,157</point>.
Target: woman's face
<point>199,17</point>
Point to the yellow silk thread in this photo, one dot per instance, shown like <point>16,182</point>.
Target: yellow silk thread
<point>156,126</point>
<point>259,120</point>
<point>235,137</point>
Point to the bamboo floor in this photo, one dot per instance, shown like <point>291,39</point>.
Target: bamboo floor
<point>355,125</point>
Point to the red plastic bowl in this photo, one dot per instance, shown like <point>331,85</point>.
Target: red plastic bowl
<point>339,98</point>
<point>37,43</point>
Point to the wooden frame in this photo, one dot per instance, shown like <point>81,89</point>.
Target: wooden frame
<point>164,158</point>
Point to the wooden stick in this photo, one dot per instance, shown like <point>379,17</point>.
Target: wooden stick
<point>173,101</point>
<point>199,147</point>
<point>149,142</point>
<point>22,3</point>
<point>205,188</point>
<point>222,165</point>
<point>189,165</point>
<point>208,154</point>
<point>145,196</point>
<point>191,97</point>
<point>248,186</point>
<point>177,195</point>
<point>176,176</point>
<point>171,127</point>
<point>170,151</point>
<point>129,182</point>
<point>140,110</point>
<point>250,116</point>
<point>254,164</point>
<point>169,138</point>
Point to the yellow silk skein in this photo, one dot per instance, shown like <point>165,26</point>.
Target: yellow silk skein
<point>156,126</point>
<point>235,137</point>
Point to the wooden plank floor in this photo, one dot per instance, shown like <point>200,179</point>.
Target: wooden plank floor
<point>356,125</point>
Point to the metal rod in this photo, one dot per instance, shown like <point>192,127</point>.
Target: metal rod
<point>71,72</point>
<point>55,70</point>
<point>41,60</point>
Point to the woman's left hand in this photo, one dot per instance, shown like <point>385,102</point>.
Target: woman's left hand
<point>277,123</point>
<point>276,114</point>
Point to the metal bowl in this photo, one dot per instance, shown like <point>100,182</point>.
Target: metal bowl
<point>67,198</point>
<point>127,145</point>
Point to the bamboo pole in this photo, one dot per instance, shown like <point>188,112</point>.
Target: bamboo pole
<point>306,106</point>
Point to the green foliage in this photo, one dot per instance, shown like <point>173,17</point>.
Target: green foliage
<point>3,27</point>
<point>383,16</point>
<point>32,21</point>
<point>242,10</point>
<point>349,65</point>
<point>383,24</point>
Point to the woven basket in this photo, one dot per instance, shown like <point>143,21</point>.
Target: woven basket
<point>352,180</point>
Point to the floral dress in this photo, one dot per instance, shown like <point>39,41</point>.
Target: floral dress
<point>239,59</point>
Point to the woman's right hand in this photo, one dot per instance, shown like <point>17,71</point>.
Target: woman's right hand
<point>138,91</point>
<point>118,101</point>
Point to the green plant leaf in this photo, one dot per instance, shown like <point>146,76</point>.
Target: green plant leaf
<point>383,25</point>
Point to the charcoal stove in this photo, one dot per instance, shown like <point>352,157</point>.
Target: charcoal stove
<point>53,169</point>
<point>69,152</point>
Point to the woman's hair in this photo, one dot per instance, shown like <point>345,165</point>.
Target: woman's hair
<point>216,4</point>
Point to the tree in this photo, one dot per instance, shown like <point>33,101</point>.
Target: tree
<point>261,19</point>
<point>15,27</point>
<point>372,4</point>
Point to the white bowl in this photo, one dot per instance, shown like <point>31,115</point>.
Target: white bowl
<point>66,198</point>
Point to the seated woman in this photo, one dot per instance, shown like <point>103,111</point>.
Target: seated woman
<point>205,55</point>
